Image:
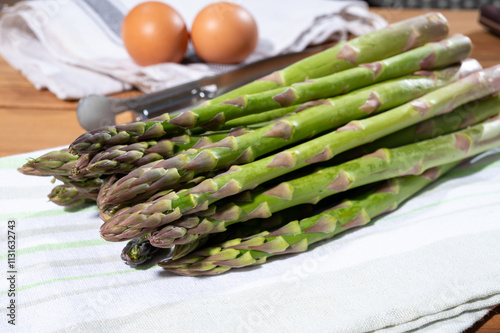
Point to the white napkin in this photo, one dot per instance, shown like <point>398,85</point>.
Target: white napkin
<point>432,265</point>
<point>73,48</point>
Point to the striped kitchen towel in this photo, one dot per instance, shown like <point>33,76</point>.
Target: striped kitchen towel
<point>74,48</point>
<point>430,265</point>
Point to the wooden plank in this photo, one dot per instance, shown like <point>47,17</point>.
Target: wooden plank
<point>29,98</point>
<point>10,77</point>
<point>489,324</point>
<point>33,129</point>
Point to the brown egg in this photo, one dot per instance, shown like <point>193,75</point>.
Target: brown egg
<point>154,32</point>
<point>224,33</point>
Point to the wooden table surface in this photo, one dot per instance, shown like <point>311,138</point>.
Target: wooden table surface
<point>33,119</point>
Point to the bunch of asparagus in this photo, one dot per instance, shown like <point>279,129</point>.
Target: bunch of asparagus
<point>224,183</point>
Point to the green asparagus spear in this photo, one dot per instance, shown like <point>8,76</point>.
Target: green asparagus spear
<point>334,112</point>
<point>462,117</point>
<point>143,218</point>
<point>396,38</point>
<point>123,158</point>
<point>138,251</point>
<point>59,162</point>
<point>67,195</point>
<point>266,116</point>
<point>297,236</point>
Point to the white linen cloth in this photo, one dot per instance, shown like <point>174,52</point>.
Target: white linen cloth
<point>74,48</point>
<point>432,265</point>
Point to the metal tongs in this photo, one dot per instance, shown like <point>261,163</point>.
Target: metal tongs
<point>95,111</point>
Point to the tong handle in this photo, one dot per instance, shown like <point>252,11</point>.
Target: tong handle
<point>169,100</point>
<point>95,111</point>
